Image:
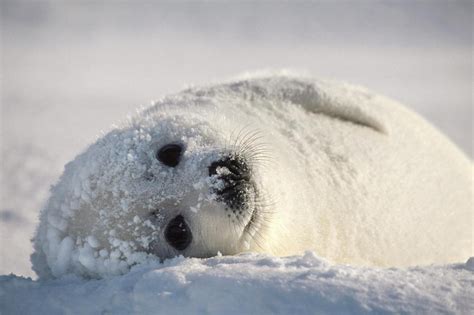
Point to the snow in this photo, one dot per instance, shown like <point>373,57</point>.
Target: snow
<point>248,284</point>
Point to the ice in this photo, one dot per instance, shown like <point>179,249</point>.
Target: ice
<point>93,242</point>
<point>64,255</point>
<point>248,284</point>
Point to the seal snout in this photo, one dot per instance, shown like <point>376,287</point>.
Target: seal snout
<point>178,234</point>
<point>234,173</point>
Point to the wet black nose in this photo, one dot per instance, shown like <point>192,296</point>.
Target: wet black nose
<point>235,174</point>
<point>178,234</point>
<point>230,167</point>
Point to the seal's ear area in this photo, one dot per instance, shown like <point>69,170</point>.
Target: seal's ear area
<point>342,101</point>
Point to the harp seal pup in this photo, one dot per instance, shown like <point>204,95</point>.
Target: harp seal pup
<point>276,164</point>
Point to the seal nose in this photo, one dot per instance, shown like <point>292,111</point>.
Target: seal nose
<point>178,234</point>
<point>234,173</point>
<point>233,168</point>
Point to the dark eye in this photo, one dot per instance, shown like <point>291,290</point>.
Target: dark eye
<point>169,155</point>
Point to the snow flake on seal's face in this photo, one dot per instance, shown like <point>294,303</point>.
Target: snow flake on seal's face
<point>119,198</point>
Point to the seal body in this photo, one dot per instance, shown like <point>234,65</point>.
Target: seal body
<point>277,164</point>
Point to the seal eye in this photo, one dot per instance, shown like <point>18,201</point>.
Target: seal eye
<point>169,155</point>
<point>178,234</point>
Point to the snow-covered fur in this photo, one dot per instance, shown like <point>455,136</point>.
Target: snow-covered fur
<point>336,169</point>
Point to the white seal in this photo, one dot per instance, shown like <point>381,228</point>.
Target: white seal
<point>277,164</point>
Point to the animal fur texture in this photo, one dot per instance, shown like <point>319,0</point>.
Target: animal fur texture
<point>333,168</point>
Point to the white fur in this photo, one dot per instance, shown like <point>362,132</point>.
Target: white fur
<point>352,175</point>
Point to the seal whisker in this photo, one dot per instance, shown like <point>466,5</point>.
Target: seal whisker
<point>240,136</point>
<point>251,146</point>
<point>250,138</point>
<point>247,137</point>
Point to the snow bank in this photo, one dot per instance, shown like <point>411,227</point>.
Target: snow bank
<point>248,284</point>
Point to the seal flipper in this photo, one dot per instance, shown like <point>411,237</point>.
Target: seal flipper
<point>345,103</point>
<point>341,101</point>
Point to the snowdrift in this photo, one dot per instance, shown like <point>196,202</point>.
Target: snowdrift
<point>248,284</point>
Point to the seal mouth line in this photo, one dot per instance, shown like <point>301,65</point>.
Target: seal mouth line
<point>253,218</point>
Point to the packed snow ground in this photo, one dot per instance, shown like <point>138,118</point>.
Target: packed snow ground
<point>249,284</point>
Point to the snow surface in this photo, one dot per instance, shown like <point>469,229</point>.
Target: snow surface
<point>249,284</point>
